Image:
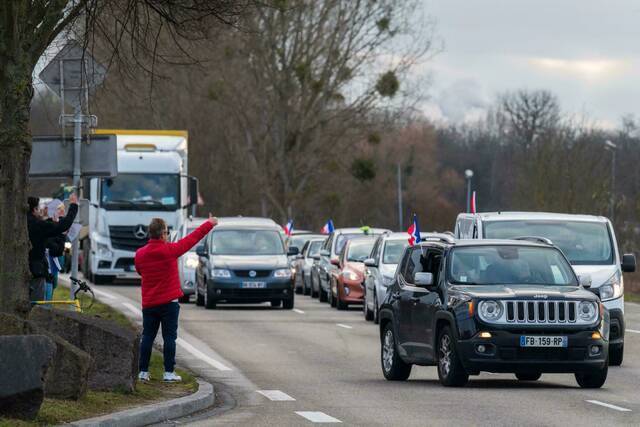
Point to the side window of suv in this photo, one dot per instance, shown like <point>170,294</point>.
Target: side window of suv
<point>413,264</point>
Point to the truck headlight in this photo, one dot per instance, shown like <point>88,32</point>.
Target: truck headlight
<point>587,311</point>
<point>612,288</point>
<point>490,310</point>
<point>351,275</point>
<point>220,273</point>
<point>282,273</point>
<point>104,251</point>
<point>191,261</point>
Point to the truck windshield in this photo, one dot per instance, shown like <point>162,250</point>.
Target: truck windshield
<point>583,243</point>
<point>246,242</point>
<point>510,265</point>
<point>393,250</point>
<point>150,192</point>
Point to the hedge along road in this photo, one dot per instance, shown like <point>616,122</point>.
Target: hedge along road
<point>317,364</point>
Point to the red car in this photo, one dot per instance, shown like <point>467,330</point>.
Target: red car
<point>347,282</point>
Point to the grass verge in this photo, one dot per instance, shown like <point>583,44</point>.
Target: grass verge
<point>632,297</point>
<point>57,411</point>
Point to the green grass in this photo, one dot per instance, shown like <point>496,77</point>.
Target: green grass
<point>56,411</point>
<point>97,310</point>
<point>632,297</point>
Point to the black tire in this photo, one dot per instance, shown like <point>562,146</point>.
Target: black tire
<point>276,303</point>
<point>450,371</point>
<point>528,376</point>
<point>209,300</point>
<point>368,314</point>
<point>299,290</point>
<point>305,288</point>
<point>185,299</point>
<point>341,305</point>
<point>592,379</point>
<point>199,299</point>
<point>287,304</point>
<point>100,279</point>
<point>393,367</point>
<point>616,354</point>
<point>323,297</point>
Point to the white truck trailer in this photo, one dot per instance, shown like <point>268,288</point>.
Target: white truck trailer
<point>152,182</point>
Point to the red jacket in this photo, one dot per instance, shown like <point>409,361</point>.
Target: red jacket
<point>157,263</point>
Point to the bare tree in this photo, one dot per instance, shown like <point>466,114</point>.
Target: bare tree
<point>27,28</point>
<point>530,113</point>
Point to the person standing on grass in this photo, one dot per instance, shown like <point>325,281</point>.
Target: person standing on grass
<point>157,264</point>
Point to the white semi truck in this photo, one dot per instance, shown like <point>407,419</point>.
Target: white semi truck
<point>152,182</point>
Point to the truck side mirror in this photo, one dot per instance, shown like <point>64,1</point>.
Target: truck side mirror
<point>628,263</point>
<point>193,190</point>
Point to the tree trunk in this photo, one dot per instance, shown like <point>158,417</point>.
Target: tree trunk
<point>15,152</point>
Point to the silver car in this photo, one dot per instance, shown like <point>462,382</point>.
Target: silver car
<point>380,269</point>
<point>188,263</point>
<point>304,262</point>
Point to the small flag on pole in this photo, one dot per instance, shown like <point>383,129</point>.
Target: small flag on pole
<point>414,231</point>
<point>327,228</point>
<point>288,229</point>
<point>473,202</point>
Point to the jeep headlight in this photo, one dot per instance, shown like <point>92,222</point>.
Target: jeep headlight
<point>587,311</point>
<point>612,288</point>
<point>490,310</point>
<point>220,273</point>
<point>191,261</point>
<point>282,273</point>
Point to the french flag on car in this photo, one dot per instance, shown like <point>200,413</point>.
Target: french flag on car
<point>473,203</point>
<point>288,229</point>
<point>327,228</point>
<point>414,231</point>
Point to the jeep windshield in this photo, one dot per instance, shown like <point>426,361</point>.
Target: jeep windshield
<point>583,243</point>
<point>509,265</point>
<point>246,242</point>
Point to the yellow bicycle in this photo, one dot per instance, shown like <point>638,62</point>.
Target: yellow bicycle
<point>76,302</point>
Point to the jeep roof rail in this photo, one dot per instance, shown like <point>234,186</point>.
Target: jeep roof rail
<point>536,239</point>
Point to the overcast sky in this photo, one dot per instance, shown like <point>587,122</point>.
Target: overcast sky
<point>585,51</point>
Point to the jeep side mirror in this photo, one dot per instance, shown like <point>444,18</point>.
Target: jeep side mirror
<point>370,262</point>
<point>585,280</point>
<point>423,279</point>
<point>628,263</point>
<point>293,250</point>
<point>201,250</point>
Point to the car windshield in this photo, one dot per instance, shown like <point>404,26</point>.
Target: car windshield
<point>246,242</point>
<point>314,248</point>
<point>140,192</point>
<point>298,241</point>
<point>393,250</point>
<point>510,265</point>
<point>583,243</point>
<point>359,250</point>
<point>342,239</point>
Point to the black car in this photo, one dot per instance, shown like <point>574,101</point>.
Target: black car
<point>510,306</point>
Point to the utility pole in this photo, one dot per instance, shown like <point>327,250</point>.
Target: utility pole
<point>400,197</point>
<point>610,146</point>
<point>468,174</point>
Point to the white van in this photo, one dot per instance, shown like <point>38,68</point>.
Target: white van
<point>589,243</point>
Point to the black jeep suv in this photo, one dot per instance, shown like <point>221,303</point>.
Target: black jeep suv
<point>492,305</point>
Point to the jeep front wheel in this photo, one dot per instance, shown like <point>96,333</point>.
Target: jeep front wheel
<point>592,379</point>
<point>450,371</point>
<point>393,368</point>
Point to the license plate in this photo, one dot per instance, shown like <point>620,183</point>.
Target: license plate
<point>541,341</point>
<point>254,285</point>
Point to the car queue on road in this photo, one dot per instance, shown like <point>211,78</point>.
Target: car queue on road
<point>457,301</point>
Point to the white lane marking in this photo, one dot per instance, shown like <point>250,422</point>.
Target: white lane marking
<point>635,331</point>
<point>132,308</point>
<point>200,355</point>
<point>608,405</point>
<point>318,417</point>
<point>103,293</point>
<point>297,310</point>
<point>276,395</point>
<point>344,326</point>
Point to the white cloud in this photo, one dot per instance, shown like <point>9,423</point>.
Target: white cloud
<point>587,69</point>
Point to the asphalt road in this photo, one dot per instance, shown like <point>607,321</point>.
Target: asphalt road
<point>325,365</point>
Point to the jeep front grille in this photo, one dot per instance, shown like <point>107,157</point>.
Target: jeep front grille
<point>541,312</point>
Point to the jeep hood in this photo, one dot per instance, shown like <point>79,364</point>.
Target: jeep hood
<point>525,292</point>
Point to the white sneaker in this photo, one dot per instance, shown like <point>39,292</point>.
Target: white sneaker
<point>144,376</point>
<point>171,377</point>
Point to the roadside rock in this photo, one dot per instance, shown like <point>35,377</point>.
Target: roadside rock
<point>113,348</point>
<point>24,360</point>
<point>68,375</point>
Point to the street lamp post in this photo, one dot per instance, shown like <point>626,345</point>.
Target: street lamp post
<point>468,174</point>
<point>610,146</point>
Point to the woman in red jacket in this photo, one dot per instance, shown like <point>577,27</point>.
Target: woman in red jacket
<point>157,263</point>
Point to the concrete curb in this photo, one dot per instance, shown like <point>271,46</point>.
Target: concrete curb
<point>157,412</point>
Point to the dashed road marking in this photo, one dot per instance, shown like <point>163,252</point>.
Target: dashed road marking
<point>635,331</point>
<point>318,417</point>
<point>342,325</point>
<point>276,395</point>
<point>200,355</point>
<point>297,310</point>
<point>132,308</point>
<point>104,294</point>
<point>608,405</point>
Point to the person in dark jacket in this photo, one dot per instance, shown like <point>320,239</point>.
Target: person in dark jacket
<point>54,248</point>
<point>39,231</point>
